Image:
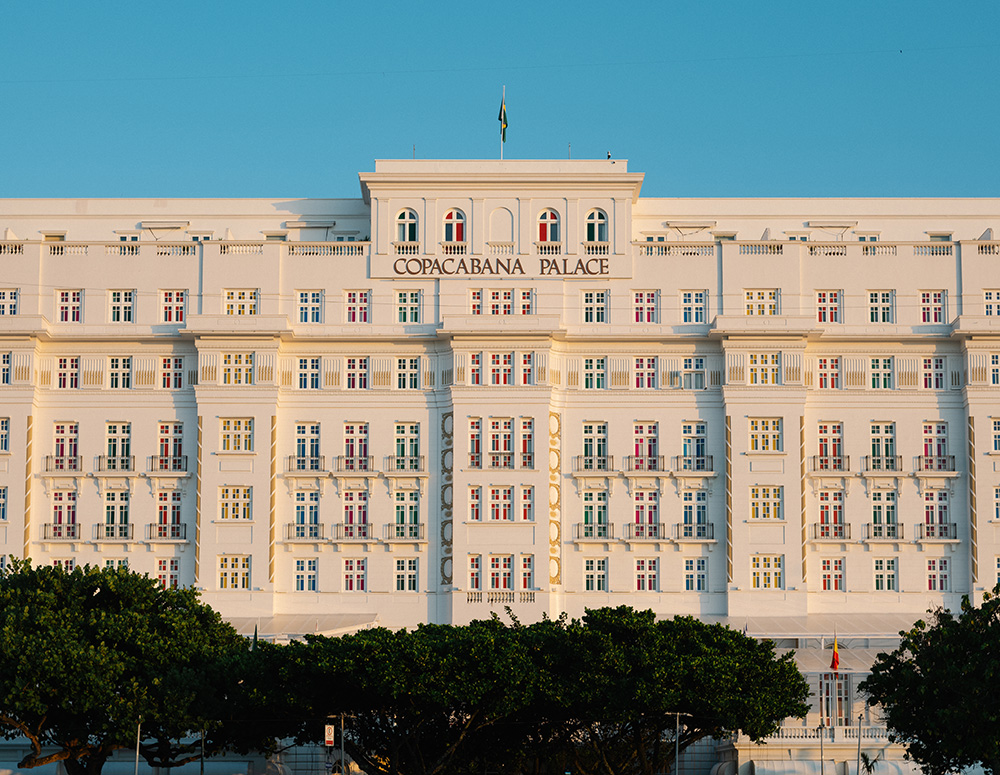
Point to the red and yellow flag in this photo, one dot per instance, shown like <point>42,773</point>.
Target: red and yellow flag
<point>835,662</point>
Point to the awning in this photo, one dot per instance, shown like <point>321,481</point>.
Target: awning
<point>793,767</point>
<point>853,625</point>
<point>294,626</point>
<point>818,660</point>
<point>900,767</point>
<point>887,767</point>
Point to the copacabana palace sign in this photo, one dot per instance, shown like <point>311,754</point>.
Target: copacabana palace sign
<point>495,266</point>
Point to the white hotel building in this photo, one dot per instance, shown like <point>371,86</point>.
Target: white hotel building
<point>516,383</point>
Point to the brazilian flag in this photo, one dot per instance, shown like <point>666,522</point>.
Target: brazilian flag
<point>503,120</point>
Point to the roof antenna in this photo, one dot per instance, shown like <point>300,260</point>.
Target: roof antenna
<point>569,150</point>
<point>414,150</point>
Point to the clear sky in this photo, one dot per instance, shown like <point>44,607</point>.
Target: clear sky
<point>287,98</point>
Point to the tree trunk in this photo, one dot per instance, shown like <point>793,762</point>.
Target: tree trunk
<point>87,765</point>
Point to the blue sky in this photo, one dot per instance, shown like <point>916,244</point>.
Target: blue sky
<point>291,98</point>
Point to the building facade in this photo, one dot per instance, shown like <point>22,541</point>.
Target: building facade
<point>490,384</point>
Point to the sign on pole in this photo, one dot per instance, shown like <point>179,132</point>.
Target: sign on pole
<point>330,734</point>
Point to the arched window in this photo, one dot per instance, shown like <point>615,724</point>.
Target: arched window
<point>548,226</point>
<point>597,226</point>
<point>454,226</point>
<point>406,226</point>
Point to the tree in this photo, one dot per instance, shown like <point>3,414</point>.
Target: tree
<point>637,682</point>
<point>939,691</point>
<point>597,696</point>
<point>86,655</point>
<point>416,701</point>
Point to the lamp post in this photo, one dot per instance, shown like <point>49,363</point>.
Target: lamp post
<point>822,763</point>
<point>860,715</point>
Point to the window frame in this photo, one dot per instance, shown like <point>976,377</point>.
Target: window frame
<point>596,226</point>
<point>238,368</point>
<point>358,306</point>
<point>767,572</point>
<point>69,305</point>
<point>762,302</point>
<point>596,305</point>
<point>453,227</point>
<point>548,226</point>
<point>829,307</point>
<point>172,305</point>
<point>407,226</point>
<point>694,306</point>
<point>240,302</point>
<point>235,503</point>
<point>234,571</point>
<point>309,306</point>
<point>121,305</point>
<point>9,299</point>
<point>236,435</point>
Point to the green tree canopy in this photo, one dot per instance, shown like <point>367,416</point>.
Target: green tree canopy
<point>86,655</point>
<point>939,691</point>
<point>600,695</point>
<point>417,700</point>
<point>637,681</point>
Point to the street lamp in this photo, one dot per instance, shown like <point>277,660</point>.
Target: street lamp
<point>822,763</point>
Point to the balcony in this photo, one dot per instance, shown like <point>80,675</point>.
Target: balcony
<point>499,597</point>
<point>696,463</point>
<point>644,463</point>
<point>548,248</point>
<point>500,461</point>
<point>112,532</point>
<point>162,532</point>
<point>937,531</point>
<point>825,463</point>
<point>168,463</point>
<point>583,464</point>
<point>405,463</point>
<point>57,531</point>
<point>635,531</point>
<point>837,531</point>
<point>454,248</point>
<point>116,463</point>
<point>761,248</point>
<point>676,250</point>
<point>353,464</point>
<point>359,532</point>
<point>303,532</point>
<point>883,532</point>
<point>339,249</point>
<point>596,249</point>
<point>587,531</point>
<point>882,463</point>
<point>58,463</point>
<point>305,464</point>
<point>404,532</point>
<point>406,248</point>
<point>936,463</point>
<point>687,531</point>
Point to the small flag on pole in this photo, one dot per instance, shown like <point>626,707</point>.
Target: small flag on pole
<point>503,119</point>
<point>835,662</point>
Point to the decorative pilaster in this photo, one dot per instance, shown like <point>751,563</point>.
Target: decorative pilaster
<point>729,499</point>
<point>447,496</point>
<point>555,498</point>
<point>197,507</point>
<point>973,523</point>
<point>272,540</point>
